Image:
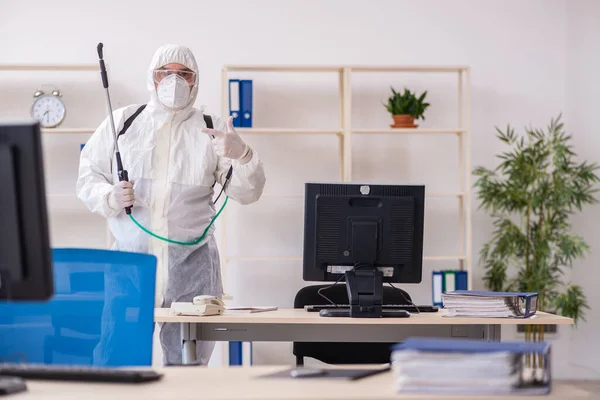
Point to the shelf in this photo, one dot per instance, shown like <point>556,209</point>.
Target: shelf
<point>344,74</point>
<point>416,131</point>
<point>444,258</point>
<point>49,67</point>
<point>284,68</point>
<point>68,130</point>
<point>274,259</point>
<point>408,68</point>
<point>448,194</point>
<point>284,131</point>
<point>353,68</point>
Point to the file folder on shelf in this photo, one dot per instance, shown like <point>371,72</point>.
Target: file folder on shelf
<point>445,281</point>
<point>461,281</point>
<point>437,288</point>
<point>234,102</point>
<point>430,365</point>
<point>449,281</point>
<point>246,102</point>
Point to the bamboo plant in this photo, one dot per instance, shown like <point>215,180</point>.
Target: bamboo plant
<point>531,196</point>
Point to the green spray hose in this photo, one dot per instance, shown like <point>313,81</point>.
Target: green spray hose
<point>195,242</point>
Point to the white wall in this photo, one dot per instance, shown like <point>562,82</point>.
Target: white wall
<point>530,61</point>
<point>583,85</point>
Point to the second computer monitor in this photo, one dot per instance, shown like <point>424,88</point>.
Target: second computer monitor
<point>25,255</point>
<point>350,225</point>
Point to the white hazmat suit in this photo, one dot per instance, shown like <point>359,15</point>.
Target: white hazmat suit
<point>174,166</point>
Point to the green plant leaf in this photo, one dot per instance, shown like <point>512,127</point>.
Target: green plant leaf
<point>407,103</point>
<point>531,194</point>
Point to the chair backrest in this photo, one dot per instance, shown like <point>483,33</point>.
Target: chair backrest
<point>102,313</point>
<point>344,353</point>
<point>338,294</point>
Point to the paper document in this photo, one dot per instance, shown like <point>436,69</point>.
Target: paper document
<point>236,310</point>
<point>463,366</point>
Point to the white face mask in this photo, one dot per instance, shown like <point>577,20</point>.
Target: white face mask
<point>173,92</point>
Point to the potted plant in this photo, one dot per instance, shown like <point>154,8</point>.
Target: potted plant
<point>531,195</point>
<point>406,107</point>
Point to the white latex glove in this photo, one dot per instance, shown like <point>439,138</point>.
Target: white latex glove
<point>229,144</point>
<point>121,195</point>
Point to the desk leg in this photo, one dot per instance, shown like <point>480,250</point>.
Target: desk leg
<point>188,343</point>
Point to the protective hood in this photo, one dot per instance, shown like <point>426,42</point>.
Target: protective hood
<point>169,54</point>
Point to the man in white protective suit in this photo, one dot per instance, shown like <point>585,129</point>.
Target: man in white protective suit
<point>174,160</point>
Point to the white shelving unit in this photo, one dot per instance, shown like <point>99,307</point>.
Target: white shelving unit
<point>67,202</point>
<point>68,131</point>
<point>346,132</point>
<point>49,67</point>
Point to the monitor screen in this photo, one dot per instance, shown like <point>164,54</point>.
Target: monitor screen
<point>25,255</point>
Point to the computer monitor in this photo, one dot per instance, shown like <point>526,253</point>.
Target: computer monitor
<point>369,234</point>
<point>25,255</point>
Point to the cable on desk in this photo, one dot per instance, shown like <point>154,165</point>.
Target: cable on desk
<point>356,266</point>
<point>329,287</point>
<point>407,300</point>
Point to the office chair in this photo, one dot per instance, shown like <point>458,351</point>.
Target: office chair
<point>83,330</point>
<point>102,313</point>
<point>343,353</point>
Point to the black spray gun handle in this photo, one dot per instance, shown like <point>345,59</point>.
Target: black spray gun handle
<point>123,176</point>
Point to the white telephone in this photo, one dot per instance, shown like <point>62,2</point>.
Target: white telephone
<point>207,299</point>
<point>200,305</point>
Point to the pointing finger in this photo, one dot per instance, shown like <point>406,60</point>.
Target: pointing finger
<point>230,125</point>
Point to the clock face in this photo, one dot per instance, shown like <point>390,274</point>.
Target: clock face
<point>49,110</point>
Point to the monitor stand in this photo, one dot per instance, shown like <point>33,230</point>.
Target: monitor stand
<point>364,282</point>
<point>365,295</point>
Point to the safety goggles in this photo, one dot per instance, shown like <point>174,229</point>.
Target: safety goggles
<point>160,74</point>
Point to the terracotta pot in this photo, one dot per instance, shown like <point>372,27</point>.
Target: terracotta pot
<point>403,121</point>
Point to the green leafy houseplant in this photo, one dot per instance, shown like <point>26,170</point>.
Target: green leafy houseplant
<point>531,196</point>
<point>406,107</point>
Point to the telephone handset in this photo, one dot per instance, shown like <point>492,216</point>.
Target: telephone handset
<point>206,299</point>
<point>200,305</point>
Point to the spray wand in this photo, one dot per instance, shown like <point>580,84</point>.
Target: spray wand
<point>122,173</point>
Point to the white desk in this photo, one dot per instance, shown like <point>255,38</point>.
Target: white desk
<point>289,325</point>
<point>184,383</point>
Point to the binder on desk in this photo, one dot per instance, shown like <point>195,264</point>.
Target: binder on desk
<point>430,365</point>
<point>234,102</point>
<point>473,303</point>
<point>246,102</point>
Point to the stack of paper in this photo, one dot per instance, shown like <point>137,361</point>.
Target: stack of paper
<point>465,366</point>
<point>466,303</point>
